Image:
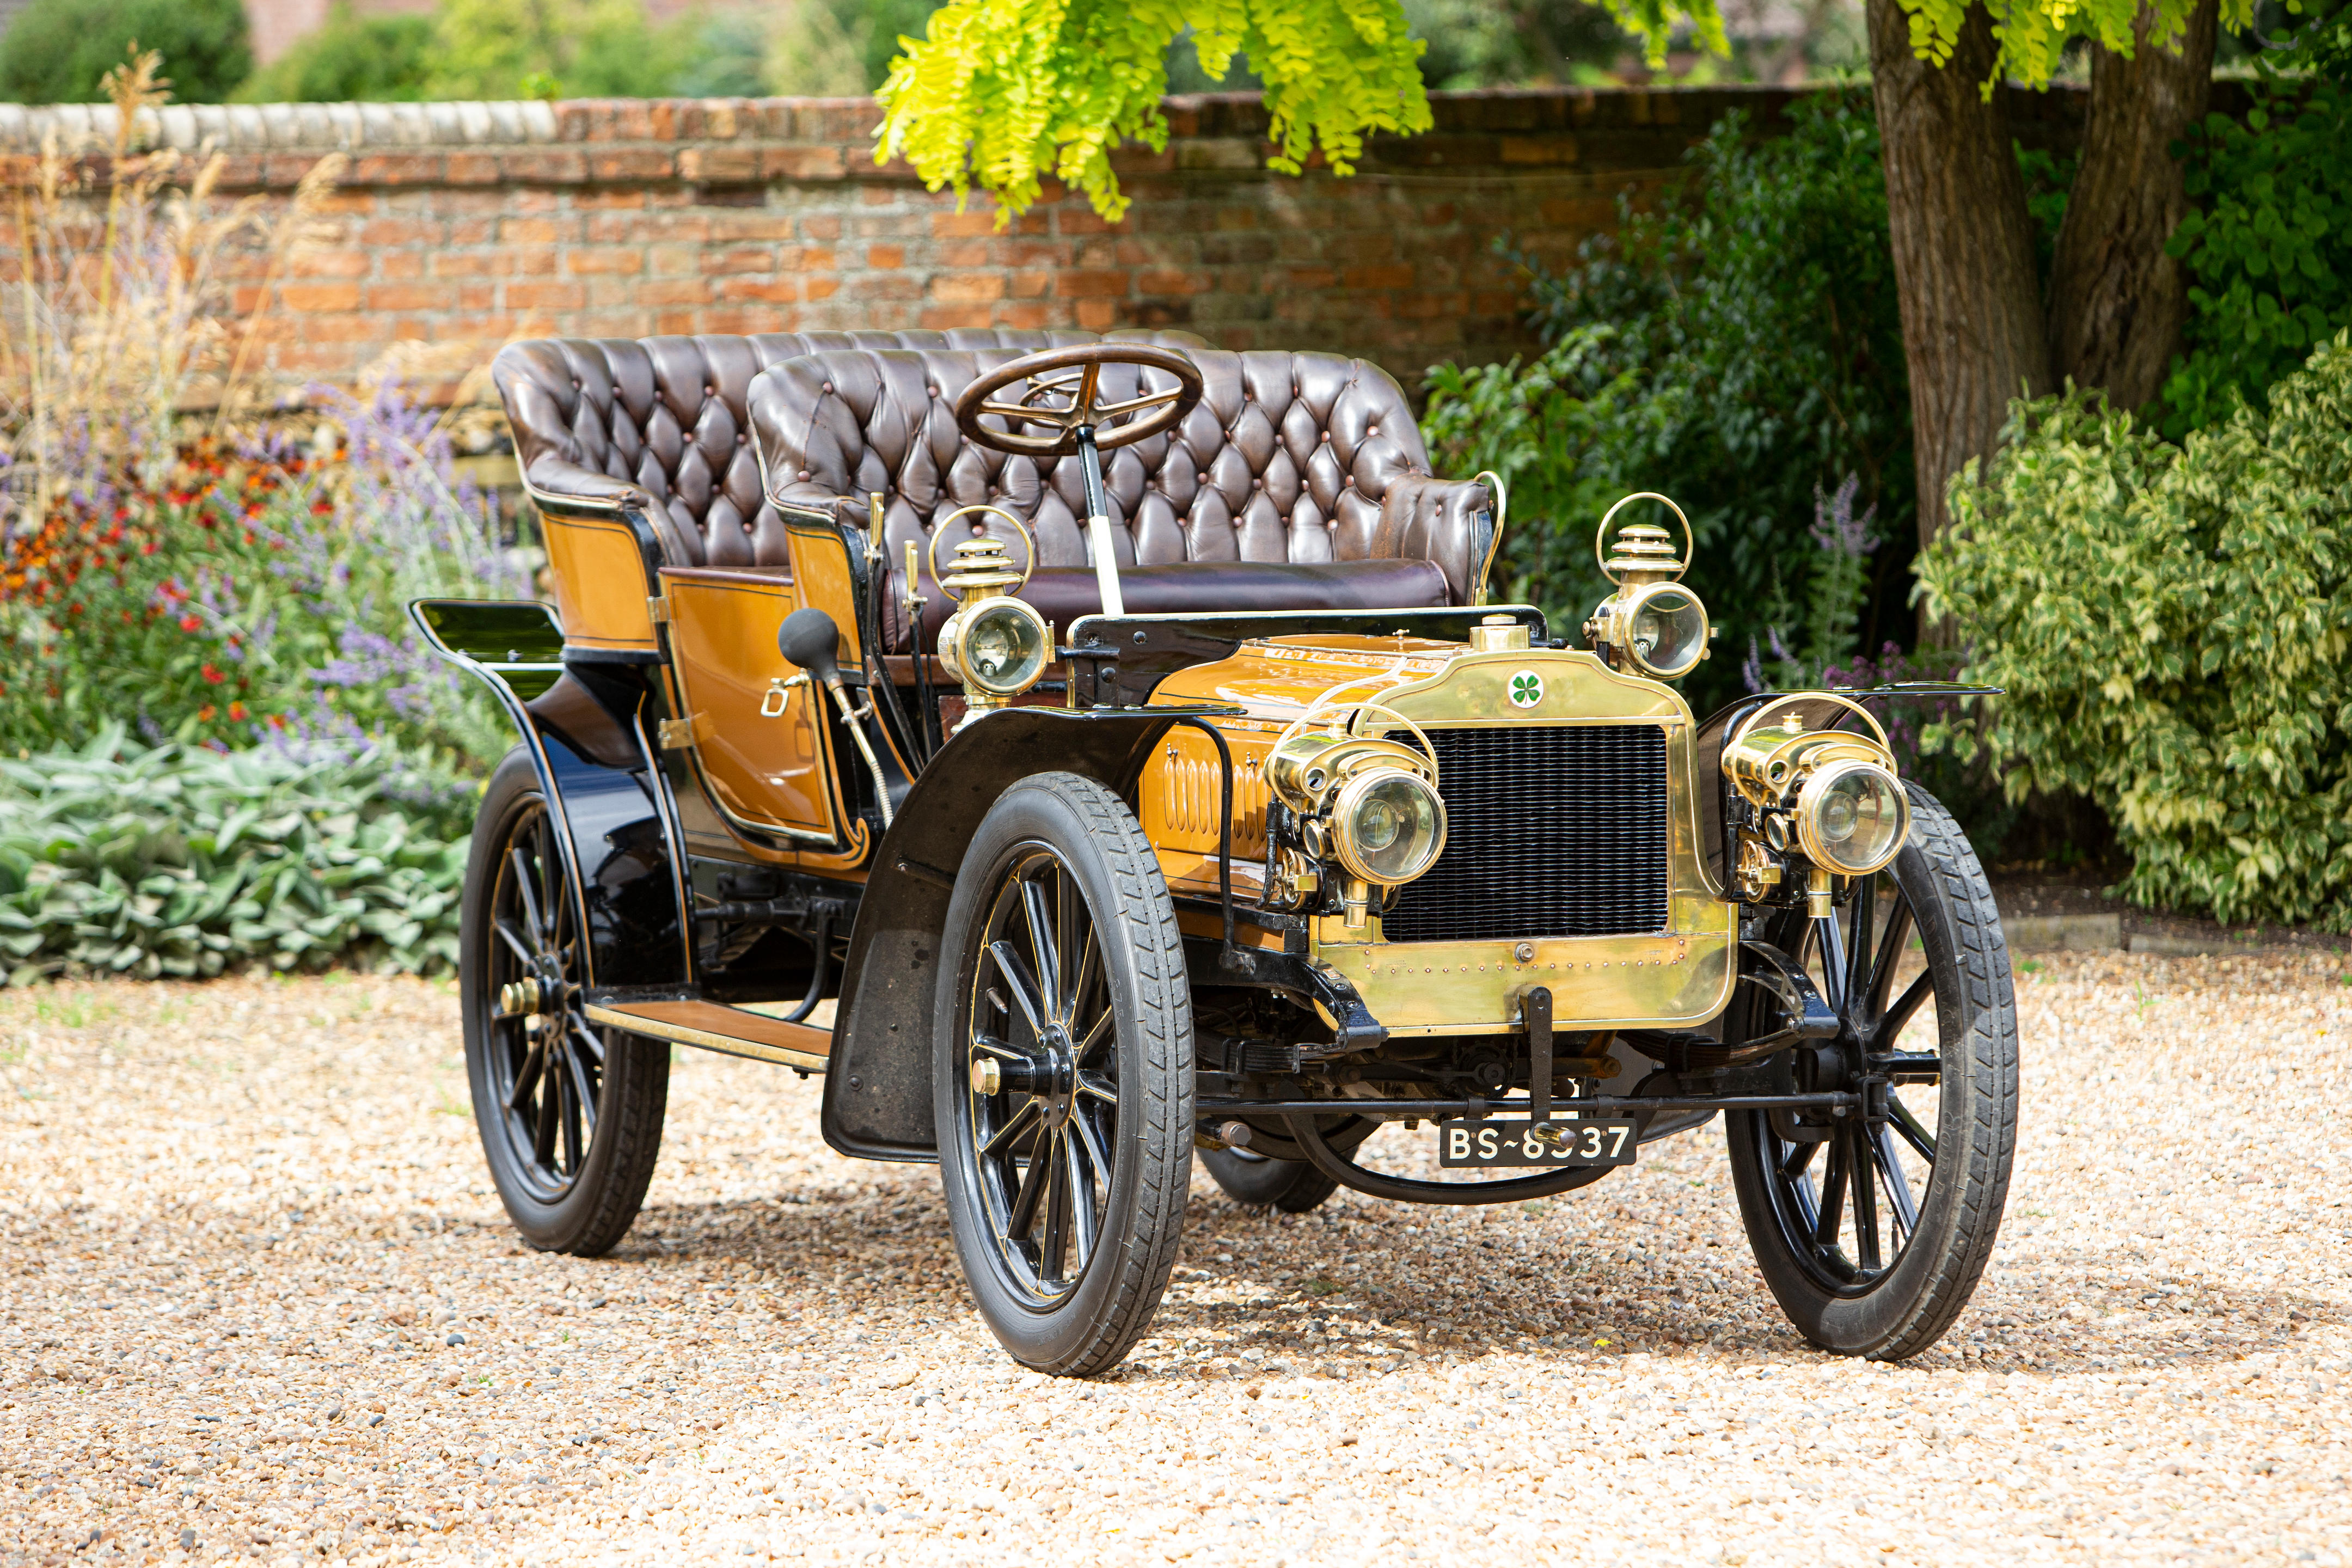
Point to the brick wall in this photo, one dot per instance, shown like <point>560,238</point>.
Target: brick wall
<point>463,226</point>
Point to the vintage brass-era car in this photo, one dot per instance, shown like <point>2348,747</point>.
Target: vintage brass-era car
<point>1084,752</point>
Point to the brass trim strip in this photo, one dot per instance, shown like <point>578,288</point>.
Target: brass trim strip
<point>641,1023</point>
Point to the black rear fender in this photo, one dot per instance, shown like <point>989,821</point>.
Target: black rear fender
<point>583,725</point>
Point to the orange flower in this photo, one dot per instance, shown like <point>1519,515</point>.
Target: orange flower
<point>205,714</point>
<point>236,710</point>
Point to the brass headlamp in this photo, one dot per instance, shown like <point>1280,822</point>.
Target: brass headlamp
<point>996,645</point>
<point>1651,624</point>
<point>1832,794</point>
<point>1365,802</point>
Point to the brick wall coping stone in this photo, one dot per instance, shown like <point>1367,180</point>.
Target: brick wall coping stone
<point>360,127</point>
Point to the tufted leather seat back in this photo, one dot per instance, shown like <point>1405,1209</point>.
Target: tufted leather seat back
<point>666,418</point>
<point>1288,457</point>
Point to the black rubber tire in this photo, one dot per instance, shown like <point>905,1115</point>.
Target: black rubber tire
<point>1293,1186</point>
<point>594,1211</point>
<point>1918,1299</point>
<point>1101,1314</point>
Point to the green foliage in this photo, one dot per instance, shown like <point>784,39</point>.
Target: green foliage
<point>727,59</point>
<point>2048,180</point>
<point>572,49</point>
<point>2171,625</point>
<point>115,860</point>
<point>2032,35</point>
<point>2268,249</point>
<point>999,92</point>
<point>56,50</point>
<point>549,49</point>
<point>1499,43</point>
<point>351,59</point>
<point>1739,350</point>
<point>837,48</point>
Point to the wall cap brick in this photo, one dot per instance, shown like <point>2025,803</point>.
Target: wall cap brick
<point>1208,118</point>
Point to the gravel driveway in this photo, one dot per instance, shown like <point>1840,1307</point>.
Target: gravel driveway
<point>258,1299</point>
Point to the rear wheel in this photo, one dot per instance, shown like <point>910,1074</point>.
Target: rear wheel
<point>1872,1229</point>
<point>1064,1076</point>
<point>570,1114</point>
<point>1293,1186</point>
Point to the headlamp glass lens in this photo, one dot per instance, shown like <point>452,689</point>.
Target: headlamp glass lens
<point>1390,826</point>
<point>1666,632</point>
<point>1859,817</point>
<point>1004,652</point>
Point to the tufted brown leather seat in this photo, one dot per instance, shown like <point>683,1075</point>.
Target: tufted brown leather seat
<point>1300,482</point>
<point>665,422</point>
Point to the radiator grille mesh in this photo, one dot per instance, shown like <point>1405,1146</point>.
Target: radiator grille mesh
<point>1552,831</point>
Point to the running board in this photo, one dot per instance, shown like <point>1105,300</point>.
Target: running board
<point>714,1026</point>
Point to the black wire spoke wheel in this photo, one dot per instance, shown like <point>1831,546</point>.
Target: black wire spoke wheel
<point>1063,1087</point>
<point>1872,1226</point>
<point>1043,1078</point>
<point>570,1114</point>
<point>1293,1187</point>
<point>547,1061</point>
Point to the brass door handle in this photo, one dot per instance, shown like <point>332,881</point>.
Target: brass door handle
<point>779,695</point>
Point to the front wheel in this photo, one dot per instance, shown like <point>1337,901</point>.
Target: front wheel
<point>1872,1229</point>
<point>1062,1084</point>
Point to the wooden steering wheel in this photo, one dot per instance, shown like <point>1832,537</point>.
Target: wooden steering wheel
<point>1063,388</point>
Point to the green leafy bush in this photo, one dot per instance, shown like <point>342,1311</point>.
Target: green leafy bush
<point>2268,249</point>
<point>2172,625</point>
<point>549,49</point>
<point>56,50</point>
<point>1739,350</point>
<point>351,59</point>
<point>174,861</point>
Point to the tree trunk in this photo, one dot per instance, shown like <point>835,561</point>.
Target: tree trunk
<point>1973,327</point>
<point>2117,300</point>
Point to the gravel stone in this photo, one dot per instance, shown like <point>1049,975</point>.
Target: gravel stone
<point>257,1301</point>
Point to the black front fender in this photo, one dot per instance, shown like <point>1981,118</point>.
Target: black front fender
<point>877,1086</point>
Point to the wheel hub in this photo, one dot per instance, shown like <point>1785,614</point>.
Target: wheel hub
<point>535,996</point>
<point>1050,1077</point>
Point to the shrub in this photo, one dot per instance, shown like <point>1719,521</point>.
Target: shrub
<point>2268,250</point>
<point>547,48</point>
<point>1739,350</point>
<point>120,859</point>
<point>2171,626</point>
<point>351,59</point>
<point>56,50</point>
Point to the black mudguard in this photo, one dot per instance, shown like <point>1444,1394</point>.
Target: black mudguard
<point>877,1089</point>
<point>584,728</point>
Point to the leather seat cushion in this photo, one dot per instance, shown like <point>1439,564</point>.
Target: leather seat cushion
<point>1062,593</point>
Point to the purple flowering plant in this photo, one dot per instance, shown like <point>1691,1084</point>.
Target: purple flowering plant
<point>254,592</point>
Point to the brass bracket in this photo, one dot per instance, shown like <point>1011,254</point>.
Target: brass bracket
<point>657,610</point>
<point>680,734</point>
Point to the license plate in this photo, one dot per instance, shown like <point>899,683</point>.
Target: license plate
<point>1476,1144</point>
